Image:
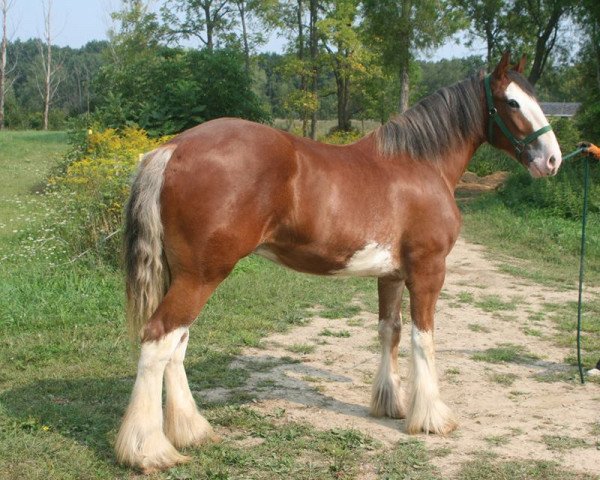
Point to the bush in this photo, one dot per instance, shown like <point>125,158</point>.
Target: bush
<point>166,90</point>
<point>488,160</point>
<point>341,137</point>
<point>93,186</point>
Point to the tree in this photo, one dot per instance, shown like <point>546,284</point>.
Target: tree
<point>345,53</point>
<point>299,67</point>
<point>537,22</point>
<point>50,68</point>
<point>588,119</point>
<point>205,20</point>
<point>5,6</point>
<point>260,14</point>
<point>488,21</point>
<point>399,28</point>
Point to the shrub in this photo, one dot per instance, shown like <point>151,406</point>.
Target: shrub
<point>93,185</point>
<point>341,137</point>
<point>488,160</point>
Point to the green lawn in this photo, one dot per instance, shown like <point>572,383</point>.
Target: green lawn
<point>25,159</point>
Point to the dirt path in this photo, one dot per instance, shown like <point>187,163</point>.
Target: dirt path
<point>501,407</point>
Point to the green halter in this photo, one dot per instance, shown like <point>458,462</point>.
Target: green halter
<point>519,145</point>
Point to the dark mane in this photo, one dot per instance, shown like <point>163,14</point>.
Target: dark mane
<point>437,123</point>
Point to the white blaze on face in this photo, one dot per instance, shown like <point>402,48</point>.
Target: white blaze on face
<point>544,151</point>
<point>372,260</point>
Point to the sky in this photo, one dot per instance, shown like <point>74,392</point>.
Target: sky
<point>76,22</point>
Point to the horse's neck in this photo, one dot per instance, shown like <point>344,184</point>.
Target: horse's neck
<point>451,166</point>
<point>454,165</point>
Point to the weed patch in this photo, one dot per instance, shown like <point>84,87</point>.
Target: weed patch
<point>558,443</point>
<point>505,379</point>
<point>505,353</point>
<point>493,303</point>
<point>326,332</point>
<point>488,469</point>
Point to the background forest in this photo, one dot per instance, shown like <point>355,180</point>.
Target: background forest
<point>171,64</point>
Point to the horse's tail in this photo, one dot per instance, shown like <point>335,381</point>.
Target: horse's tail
<point>147,272</point>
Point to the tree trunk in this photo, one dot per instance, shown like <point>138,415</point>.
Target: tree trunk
<point>544,44</point>
<point>48,65</point>
<point>404,52</point>
<point>3,62</point>
<point>313,61</point>
<point>490,47</point>
<point>596,47</point>
<point>343,100</point>
<point>209,27</point>
<point>242,9</point>
<point>301,58</point>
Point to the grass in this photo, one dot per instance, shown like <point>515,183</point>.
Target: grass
<point>521,242</point>
<point>558,443</point>
<point>326,332</point>
<point>564,318</point>
<point>476,327</point>
<point>301,348</point>
<point>497,440</point>
<point>491,469</point>
<point>505,353</point>
<point>505,379</point>
<point>465,297</point>
<point>25,158</point>
<point>493,303</point>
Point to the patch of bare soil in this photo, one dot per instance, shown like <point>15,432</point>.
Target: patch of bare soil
<point>330,387</point>
<point>471,185</point>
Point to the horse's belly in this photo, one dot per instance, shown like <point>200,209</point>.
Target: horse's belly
<point>372,260</point>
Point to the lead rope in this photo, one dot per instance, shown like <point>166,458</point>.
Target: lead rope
<point>586,184</point>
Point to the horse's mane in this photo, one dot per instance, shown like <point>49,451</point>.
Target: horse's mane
<point>437,123</point>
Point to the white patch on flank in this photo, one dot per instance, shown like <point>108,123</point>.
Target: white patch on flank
<point>372,261</point>
<point>141,441</point>
<point>184,425</point>
<point>426,412</point>
<point>546,145</point>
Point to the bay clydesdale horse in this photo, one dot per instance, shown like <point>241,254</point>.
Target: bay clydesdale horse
<point>381,207</point>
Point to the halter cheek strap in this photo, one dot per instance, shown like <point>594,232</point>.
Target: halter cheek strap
<point>518,145</point>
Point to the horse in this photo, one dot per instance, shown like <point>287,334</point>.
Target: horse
<point>381,207</point>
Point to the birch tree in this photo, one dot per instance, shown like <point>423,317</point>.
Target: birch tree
<point>5,6</point>
<point>50,68</point>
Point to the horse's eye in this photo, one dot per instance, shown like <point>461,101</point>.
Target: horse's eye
<point>513,104</point>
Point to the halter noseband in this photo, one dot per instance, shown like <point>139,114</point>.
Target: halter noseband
<point>519,145</point>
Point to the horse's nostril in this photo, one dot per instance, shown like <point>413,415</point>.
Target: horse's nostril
<point>552,161</point>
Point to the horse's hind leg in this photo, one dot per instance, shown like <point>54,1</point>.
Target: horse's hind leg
<point>141,441</point>
<point>184,425</point>
<point>386,397</point>
<point>426,411</point>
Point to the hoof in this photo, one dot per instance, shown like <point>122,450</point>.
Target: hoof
<point>434,417</point>
<point>147,451</point>
<point>186,430</point>
<point>387,400</point>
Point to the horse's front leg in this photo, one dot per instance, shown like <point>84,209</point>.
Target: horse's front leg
<point>386,397</point>
<point>426,411</point>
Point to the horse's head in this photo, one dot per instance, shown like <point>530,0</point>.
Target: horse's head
<point>517,124</point>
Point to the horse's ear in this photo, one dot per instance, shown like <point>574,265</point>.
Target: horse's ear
<point>520,67</point>
<point>502,67</point>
